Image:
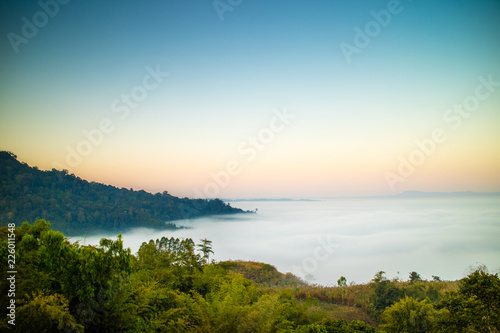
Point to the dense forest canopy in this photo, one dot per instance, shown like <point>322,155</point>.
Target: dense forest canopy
<point>76,206</point>
<point>171,285</point>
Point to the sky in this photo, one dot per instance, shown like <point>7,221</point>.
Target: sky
<point>246,99</point>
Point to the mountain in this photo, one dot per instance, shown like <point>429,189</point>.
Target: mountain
<point>423,195</point>
<point>77,207</point>
<point>419,194</point>
<point>267,199</point>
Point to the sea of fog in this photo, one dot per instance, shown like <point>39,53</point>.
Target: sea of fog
<point>323,240</point>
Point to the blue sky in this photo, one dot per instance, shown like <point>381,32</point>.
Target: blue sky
<point>226,79</point>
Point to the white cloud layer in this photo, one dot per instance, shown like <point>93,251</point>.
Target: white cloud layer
<point>354,238</point>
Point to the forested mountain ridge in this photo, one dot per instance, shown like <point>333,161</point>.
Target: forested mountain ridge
<point>76,206</point>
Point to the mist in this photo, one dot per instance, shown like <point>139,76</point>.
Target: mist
<point>320,241</point>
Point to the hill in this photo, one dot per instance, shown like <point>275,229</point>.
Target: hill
<point>423,195</point>
<point>420,194</point>
<point>261,273</point>
<point>76,206</point>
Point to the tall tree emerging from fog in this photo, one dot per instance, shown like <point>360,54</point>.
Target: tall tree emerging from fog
<point>206,248</point>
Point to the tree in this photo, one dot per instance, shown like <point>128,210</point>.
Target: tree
<point>75,206</point>
<point>379,277</point>
<point>414,277</point>
<point>409,315</point>
<point>43,313</point>
<point>166,288</point>
<point>69,283</point>
<point>386,292</point>
<point>342,282</point>
<point>475,307</point>
<point>148,255</point>
<point>206,249</point>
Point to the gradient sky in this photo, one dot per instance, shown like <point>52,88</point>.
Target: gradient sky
<point>353,120</point>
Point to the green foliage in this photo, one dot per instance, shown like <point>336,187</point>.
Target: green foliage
<point>50,313</point>
<point>342,282</point>
<point>414,277</point>
<point>261,273</point>
<point>386,292</point>
<point>86,278</point>
<point>475,307</point>
<point>409,315</point>
<point>336,326</point>
<point>75,206</point>
<point>206,249</point>
<point>169,286</point>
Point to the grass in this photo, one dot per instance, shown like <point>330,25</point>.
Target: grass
<point>353,302</point>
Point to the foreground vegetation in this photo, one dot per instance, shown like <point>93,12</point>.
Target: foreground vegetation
<point>75,206</point>
<point>170,285</point>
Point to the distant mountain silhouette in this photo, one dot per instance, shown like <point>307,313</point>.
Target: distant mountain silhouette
<point>76,206</point>
<point>419,194</point>
<point>267,199</point>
